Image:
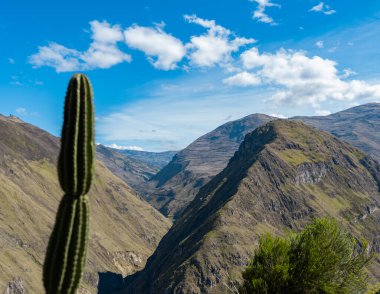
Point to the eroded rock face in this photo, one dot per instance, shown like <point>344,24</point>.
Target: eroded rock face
<point>311,173</point>
<point>16,286</point>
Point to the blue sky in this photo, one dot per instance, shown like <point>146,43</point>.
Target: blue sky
<point>166,72</point>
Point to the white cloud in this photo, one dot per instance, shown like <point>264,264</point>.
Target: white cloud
<point>119,147</point>
<point>57,56</point>
<point>103,56</point>
<point>323,8</point>
<point>103,32</point>
<point>215,46</point>
<point>321,112</point>
<point>300,79</point>
<point>260,14</point>
<point>102,53</point>
<point>243,79</point>
<point>320,44</point>
<point>164,50</point>
<point>278,115</point>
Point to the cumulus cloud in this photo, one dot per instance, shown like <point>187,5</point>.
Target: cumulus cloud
<point>300,79</point>
<point>164,50</point>
<point>102,53</point>
<point>243,79</point>
<point>215,46</point>
<point>57,56</point>
<point>323,8</point>
<point>260,15</point>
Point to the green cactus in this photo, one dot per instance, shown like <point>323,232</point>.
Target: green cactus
<point>66,253</point>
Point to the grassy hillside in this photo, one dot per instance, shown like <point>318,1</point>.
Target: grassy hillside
<point>173,188</point>
<point>124,229</point>
<point>359,126</point>
<point>283,175</point>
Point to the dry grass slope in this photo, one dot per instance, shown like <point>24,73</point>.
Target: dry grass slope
<point>124,229</point>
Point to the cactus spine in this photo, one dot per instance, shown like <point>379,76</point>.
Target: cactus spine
<point>66,253</point>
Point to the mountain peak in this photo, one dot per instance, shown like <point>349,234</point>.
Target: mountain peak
<point>172,189</point>
<point>292,141</point>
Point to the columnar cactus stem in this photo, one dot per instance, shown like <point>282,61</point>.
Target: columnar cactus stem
<point>66,253</point>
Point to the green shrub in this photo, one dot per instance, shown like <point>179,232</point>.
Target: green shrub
<point>321,259</point>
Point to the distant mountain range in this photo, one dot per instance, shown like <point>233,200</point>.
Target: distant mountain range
<point>283,175</point>
<point>173,188</point>
<point>156,160</point>
<point>124,229</point>
<point>134,167</point>
<point>360,126</point>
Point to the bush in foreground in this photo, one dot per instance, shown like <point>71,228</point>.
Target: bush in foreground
<point>323,258</point>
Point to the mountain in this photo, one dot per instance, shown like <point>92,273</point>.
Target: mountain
<point>360,126</point>
<point>124,229</point>
<point>134,167</point>
<point>284,174</point>
<point>130,169</point>
<point>155,159</point>
<point>172,189</point>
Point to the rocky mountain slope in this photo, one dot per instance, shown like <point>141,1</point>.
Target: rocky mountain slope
<point>134,167</point>
<point>124,229</point>
<point>133,171</point>
<point>283,175</point>
<point>360,126</point>
<point>154,159</point>
<point>175,185</point>
<point>172,189</point>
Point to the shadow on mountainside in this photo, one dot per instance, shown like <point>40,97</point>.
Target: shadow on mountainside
<point>110,282</point>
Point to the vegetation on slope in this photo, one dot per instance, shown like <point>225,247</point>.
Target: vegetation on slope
<point>262,191</point>
<point>323,258</point>
<point>124,232</point>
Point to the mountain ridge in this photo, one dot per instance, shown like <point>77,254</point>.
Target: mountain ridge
<point>176,184</point>
<point>282,176</point>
